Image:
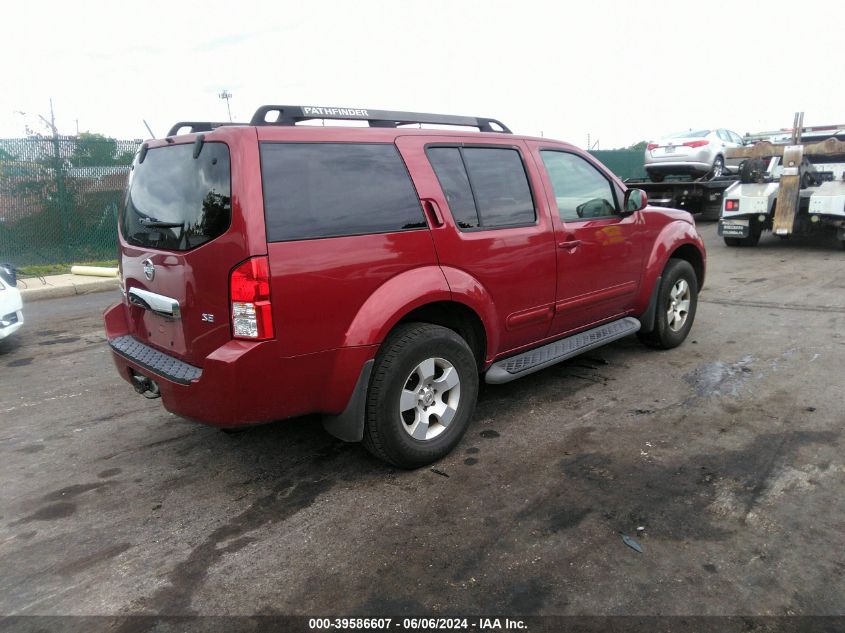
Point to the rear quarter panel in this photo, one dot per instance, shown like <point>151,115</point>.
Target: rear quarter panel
<point>343,291</point>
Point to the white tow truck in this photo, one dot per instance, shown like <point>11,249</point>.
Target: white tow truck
<point>791,182</point>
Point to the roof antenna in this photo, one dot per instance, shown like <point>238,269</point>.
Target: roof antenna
<point>146,125</point>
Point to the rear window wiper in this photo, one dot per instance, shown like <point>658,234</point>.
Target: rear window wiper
<point>160,224</point>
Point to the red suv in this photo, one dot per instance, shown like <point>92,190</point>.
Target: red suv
<point>374,274</point>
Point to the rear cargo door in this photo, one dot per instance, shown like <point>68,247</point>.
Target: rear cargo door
<point>180,236</point>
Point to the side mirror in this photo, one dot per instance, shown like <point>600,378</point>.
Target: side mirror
<point>635,200</point>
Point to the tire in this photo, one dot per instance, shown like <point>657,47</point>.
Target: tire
<point>754,237</point>
<point>665,335</point>
<point>717,169</point>
<point>237,430</point>
<point>655,177</point>
<point>711,212</point>
<point>414,359</point>
<point>752,171</point>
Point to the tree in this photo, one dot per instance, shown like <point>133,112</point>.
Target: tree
<point>97,150</point>
<point>638,146</point>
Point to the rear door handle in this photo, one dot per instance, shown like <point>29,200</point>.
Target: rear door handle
<point>433,211</point>
<point>570,244</point>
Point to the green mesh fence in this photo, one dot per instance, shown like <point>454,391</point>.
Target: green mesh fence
<point>59,198</point>
<point>625,163</point>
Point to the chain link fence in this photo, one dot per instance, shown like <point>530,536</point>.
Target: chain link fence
<point>59,198</point>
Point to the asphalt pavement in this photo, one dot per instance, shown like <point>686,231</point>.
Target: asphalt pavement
<point>723,459</point>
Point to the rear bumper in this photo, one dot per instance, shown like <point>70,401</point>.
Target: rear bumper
<point>240,383</point>
<point>10,323</point>
<point>677,167</point>
<point>11,312</point>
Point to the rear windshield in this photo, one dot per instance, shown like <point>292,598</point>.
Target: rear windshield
<point>178,202</point>
<point>690,134</point>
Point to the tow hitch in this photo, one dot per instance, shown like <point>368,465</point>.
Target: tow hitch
<point>147,387</point>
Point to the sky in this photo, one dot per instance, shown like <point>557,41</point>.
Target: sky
<point>617,72</point>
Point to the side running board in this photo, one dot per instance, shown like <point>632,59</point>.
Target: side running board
<point>542,357</point>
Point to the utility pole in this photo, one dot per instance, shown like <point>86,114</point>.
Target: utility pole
<point>61,188</point>
<point>227,95</point>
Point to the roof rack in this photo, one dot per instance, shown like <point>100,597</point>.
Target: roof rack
<point>290,115</point>
<point>198,126</point>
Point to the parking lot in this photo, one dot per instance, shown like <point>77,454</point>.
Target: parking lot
<point>722,458</point>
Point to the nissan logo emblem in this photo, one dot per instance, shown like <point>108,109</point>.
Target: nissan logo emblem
<point>149,269</point>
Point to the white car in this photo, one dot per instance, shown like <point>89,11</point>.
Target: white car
<point>695,152</point>
<point>11,309</point>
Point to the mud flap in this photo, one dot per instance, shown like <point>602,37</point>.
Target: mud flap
<point>734,227</point>
<point>349,424</point>
<point>647,317</point>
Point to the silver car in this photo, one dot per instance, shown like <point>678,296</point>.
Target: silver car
<point>695,152</point>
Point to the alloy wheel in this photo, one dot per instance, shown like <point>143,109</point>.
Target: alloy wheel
<point>430,398</point>
<point>679,302</point>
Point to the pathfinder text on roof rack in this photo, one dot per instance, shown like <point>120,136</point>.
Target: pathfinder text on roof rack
<point>334,111</point>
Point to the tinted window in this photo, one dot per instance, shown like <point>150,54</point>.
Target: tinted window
<point>489,186</point>
<point>175,201</point>
<point>500,185</point>
<point>581,191</point>
<point>449,167</point>
<point>330,189</point>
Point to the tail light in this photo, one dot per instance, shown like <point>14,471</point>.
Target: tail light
<point>731,205</point>
<point>696,143</point>
<point>652,146</point>
<point>249,288</point>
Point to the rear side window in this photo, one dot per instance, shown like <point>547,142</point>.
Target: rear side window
<point>314,190</point>
<point>449,167</point>
<point>486,187</point>
<point>175,201</point>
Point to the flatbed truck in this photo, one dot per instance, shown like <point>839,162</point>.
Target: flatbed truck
<point>699,195</point>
